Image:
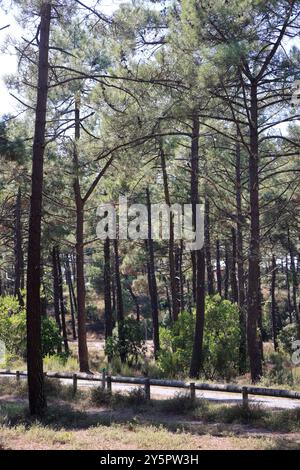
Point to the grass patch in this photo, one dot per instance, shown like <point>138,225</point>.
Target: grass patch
<point>182,404</point>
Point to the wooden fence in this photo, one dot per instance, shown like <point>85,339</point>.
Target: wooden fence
<point>106,382</point>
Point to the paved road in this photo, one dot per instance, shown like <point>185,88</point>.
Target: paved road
<point>217,397</point>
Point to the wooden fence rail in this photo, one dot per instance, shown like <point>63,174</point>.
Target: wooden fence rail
<point>108,380</point>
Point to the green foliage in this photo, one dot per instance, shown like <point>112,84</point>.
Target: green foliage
<point>221,338</point>
<point>279,371</point>
<point>287,336</point>
<point>176,345</point>
<point>133,344</point>
<point>220,345</point>
<point>13,329</point>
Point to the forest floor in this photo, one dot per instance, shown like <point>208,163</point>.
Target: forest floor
<point>92,421</point>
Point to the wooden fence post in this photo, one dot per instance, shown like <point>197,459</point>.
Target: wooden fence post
<point>103,378</point>
<point>74,384</point>
<point>245,397</point>
<point>192,391</point>
<point>147,389</point>
<point>109,387</point>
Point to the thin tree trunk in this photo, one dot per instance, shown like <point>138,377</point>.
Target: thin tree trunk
<point>37,399</point>
<point>240,263</point>
<point>107,290</point>
<point>227,272</point>
<point>233,280</point>
<point>254,297</point>
<point>294,278</point>
<point>71,295</point>
<point>172,268</point>
<point>209,268</point>
<point>152,280</point>
<point>290,309</point>
<point>218,263</point>
<point>273,302</point>
<point>61,302</point>
<point>119,303</point>
<point>196,360</point>
<point>83,354</point>
<point>56,292</point>
<point>18,250</point>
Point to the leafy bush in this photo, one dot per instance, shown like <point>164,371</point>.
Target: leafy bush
<point>132,347</point>
<point>176,345</point>
<point>221,338</point>
<point>287,336</point>
<point>220,342</point>
<point>279,371</point>
<point>13,329</point>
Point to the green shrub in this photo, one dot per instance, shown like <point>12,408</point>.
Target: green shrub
<point>220,343</point>
<point>287,336</point>
<point>13,329</point>
<point>132,347</point>
<point>221,338</point>
<point>279,371</point>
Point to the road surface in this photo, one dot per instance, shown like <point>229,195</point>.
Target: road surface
<point>217,397</point>
<point>162,393</point>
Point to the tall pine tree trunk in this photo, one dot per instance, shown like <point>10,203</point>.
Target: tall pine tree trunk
<point>196,360</point>
<point>152,280</point>
<point>37,399</point>
<point>83,355</point>
<point>240,262</point>
<point>172,268</point>
<point>254,297</point>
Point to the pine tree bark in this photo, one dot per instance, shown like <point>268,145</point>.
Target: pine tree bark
<point>152,280</point>
<point>107,290</point>
<point>287,274</point>
<point>18,250</point>
<point>119,302</point>
<point>294,278</point>
<point>240,262</point>
<point>218,267</point>
<point>196,360</point>
<point>69,282</point>
<point>254,297</point>
<point>273,303</point>
<point>172,268</point>
<point>227,271</point>
<point>56,291</point>
<point>233,280</point>
<point>209,268</point>
<point>83,355</point>
<point>36,393</point>
<point>61,301</point>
